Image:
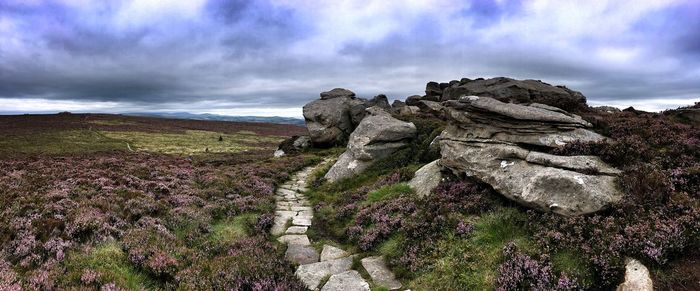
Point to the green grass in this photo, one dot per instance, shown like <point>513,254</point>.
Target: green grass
<point>110,261</point>
<point>389,192</point>
<point>472,263</point>
<point>232,229</point>
<point>61,142</point>
<point>191,142</point>
<point>573,264</point>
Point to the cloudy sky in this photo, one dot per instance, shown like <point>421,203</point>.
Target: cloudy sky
<point>269,57</point>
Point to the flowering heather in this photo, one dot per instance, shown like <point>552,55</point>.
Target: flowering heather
<point>60,210</point>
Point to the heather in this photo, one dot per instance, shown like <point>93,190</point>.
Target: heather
<point>466,235</point>
<point>142,220</point>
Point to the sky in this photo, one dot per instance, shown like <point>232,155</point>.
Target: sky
<point>270,57</point>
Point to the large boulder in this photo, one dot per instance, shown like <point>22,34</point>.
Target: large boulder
<point>498,144</point>
<point>376,137</point>
<point>508,90</point>
<point>329,119</point>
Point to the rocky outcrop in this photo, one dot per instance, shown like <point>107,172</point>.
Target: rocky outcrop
<point>376,137</point>
<point>506,90</point>
<point>329,119</point>
<point>293,145</point>
<point>636,277</point>
<point>498,143</point>
<point>426,179</point>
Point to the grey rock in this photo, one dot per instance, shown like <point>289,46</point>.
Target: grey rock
<point>381,275</point>
<point>294,239</point>
<point>433,91</point>
<point>346,281</point>
<point>293,145</point>
<point>301,254</point>
<point>564,185</point>
<point>337,92</point>
<point>431,108</point>
<point>516,91</point>
<point>475,117</point>
<point>413,100</point>
<point>485,139</point>
<point>380,101</point>
<point>426,178</point>
<point>278,153</point>
<point>377,136</point>
<point>636,277</point>
<point>607,109</point>
<point>311,274</point>
<point>301,220</point>
<point>297,230</point>
<point>329,120</point>
<point>331,253</point>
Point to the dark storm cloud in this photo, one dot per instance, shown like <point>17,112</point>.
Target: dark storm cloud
<point>217,55</point>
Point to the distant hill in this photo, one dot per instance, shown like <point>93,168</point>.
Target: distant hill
<point>207,116</point>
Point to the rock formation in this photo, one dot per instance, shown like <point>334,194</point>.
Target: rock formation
<point>376,137</point>
<point>506,90</point>
<point>329,119</point>
<point>498,143</point>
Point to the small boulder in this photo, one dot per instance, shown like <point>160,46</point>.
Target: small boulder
<point>329,119</point>
<point>636,277</point>
<point>426,178</point>
<point>378,136</point>
<point>331,253</point>
<point>381,275</point>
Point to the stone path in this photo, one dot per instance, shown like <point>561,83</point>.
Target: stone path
<point>293,218</point>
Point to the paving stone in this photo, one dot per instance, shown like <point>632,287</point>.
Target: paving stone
<point>301,220</point>
<point>301,254</point>
<point>331,253</point>
<point>346,281</point>
<point>281,218</point>
<point>301,208</point>
<point>297,230</point>
<point>294,239</point>
<point>381,275</point>
<point>311,274</point>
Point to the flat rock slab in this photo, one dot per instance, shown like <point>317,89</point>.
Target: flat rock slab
<point>295,239</point>
<point>301,254</point>
<point>301,221</point>
<point>297,230</point>
<point>381,275</point>
<point>331,253</point>
<point>346,281</point>
<point>311,274</point>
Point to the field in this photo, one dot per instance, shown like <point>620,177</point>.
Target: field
<point>100,201</point>
<point>106,201</point>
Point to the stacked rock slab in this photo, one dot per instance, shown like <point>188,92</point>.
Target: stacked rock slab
<point>506,90</point>
<point>329,119</point>
<point>376,137</point>
<point>498,144</point>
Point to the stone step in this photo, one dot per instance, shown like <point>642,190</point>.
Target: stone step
<point>381,275</point>
<point>294,239</point>
<point>312,274</point>
<point>331,253</point>
<point>301,254</point>
<point>346,281</point>
<point>297,230</point>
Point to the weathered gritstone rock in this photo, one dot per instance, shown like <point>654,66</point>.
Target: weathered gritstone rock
<point>485,140</point>
<point>380,274</point>
<point>301,254</point>
<point>346,281</point>
<point>329,119</point>
<point>426,178</point>
<point>636,277</point>
<point>378,136</point>
<point>331,253</point>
